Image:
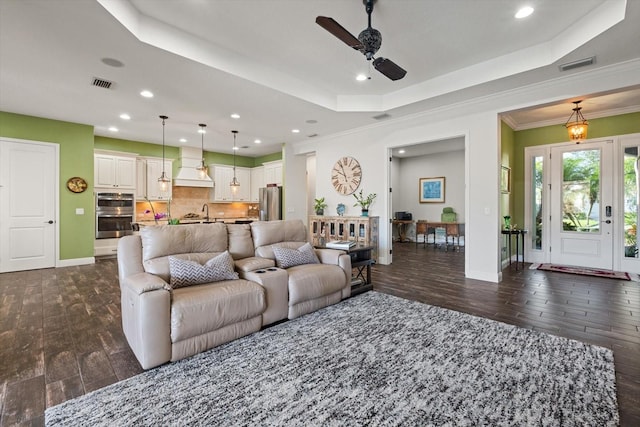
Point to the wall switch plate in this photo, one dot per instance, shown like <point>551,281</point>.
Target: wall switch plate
<point>290,210</point>
<point>79,211</point>
<point>487,211</point>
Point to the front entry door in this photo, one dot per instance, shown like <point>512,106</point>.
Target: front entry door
<point>27,205</point>
<point>581,205</point>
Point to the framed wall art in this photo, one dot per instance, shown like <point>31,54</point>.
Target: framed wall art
<point>431,190</point>
<point>505,180</point>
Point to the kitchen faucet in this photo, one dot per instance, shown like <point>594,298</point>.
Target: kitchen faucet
<point>205,207</point>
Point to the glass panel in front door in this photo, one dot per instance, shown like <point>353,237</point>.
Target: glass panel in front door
<point>631,184</point>
<point>581,191</point>
<point>537,172</point>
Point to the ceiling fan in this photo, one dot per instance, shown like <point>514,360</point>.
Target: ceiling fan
<point>368,42</point>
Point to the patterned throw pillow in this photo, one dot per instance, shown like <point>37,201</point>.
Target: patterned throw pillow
<point>286,257</point>
<point>187,273</point>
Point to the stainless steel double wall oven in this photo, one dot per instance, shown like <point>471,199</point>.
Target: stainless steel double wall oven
<point>114,214</point>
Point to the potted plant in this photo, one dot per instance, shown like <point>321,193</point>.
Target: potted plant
<point>319,206</point>
<point>364,202</point>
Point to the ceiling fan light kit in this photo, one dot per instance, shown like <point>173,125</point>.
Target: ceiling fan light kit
<point>368,42</point>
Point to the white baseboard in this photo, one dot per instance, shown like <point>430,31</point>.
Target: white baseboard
<point>75,261</point>
<point>483,275</point>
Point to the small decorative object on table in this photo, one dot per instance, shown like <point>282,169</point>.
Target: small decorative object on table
<point>319,206</point>
<point>340,209</point>
<point>341,244</point>
<point>364,202</point>
<point>507,222</point>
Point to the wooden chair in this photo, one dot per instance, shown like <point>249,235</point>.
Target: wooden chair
<point>424,231</point>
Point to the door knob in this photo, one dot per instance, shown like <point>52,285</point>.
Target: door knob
<point>49,222</point>
<point>607,221</point>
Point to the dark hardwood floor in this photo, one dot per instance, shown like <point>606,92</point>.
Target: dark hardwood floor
<point>60,333</point>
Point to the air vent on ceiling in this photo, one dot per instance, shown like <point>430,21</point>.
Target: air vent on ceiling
<point>382,116</point>
<point>313,135</point>
<point>244,146</point>
<point>105,84</point>
<point>577,64</point>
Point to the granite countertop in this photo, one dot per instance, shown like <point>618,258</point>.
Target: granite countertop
<point>198,221</point>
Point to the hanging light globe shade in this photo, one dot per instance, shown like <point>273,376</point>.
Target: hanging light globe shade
<point>577,128</point>
<point>164,180</point>
<point>235,185</point>
<point>202,168</point>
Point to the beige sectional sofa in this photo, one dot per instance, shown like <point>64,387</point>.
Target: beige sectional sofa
<point>166,320</point>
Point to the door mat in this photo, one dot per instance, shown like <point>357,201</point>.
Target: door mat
<point>619,275</point>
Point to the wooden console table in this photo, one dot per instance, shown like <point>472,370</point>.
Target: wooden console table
<point>402,225</point>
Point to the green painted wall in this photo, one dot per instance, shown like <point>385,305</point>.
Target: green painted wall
<point>258,161</point>
<point>76,159</point>
<point>598,128</point>
<point>155,150</point>
<point>507,148</point>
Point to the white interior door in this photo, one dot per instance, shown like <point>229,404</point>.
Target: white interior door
<point>27,205</point>
<point>581,205</point>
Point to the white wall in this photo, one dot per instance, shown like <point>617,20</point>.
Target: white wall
<point>295,185</point>
<point>477,121</point>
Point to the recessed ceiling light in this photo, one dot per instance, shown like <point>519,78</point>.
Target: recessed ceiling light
<point>295,130</point>
<point>125,116</point>
<point>113,129</point>
<point>201,130</point>
<point>147,93</point>
<point>235,116</point>
<point>401,151</point>
<point>183,140</point>
<point>361,77</point>
<point>112,62</point>
<point>257,141</point>
<point>524,12</point>
<point>236,148</point>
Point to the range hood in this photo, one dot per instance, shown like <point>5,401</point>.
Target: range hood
<point>188,176</point>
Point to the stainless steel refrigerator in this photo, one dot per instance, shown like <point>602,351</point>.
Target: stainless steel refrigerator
<point>270,203</point>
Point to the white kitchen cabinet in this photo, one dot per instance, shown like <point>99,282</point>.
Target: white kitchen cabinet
<point>273,172</point>
<point>148,170</point>
<point>243,193</point>
<point>141,179</point>
<point>104,247</point>
<point>222,175</point>
<point>257,182</point>
<point>154,171</point>
<point>114,172</point>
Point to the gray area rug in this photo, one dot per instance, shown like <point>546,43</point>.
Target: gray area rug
<point>373,359</point>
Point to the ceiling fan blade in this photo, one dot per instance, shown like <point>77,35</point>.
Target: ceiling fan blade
<point>389,68</point>
<point>339,31</point>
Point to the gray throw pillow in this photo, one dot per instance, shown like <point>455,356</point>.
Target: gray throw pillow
<point>286,257</point>
<point>186,273</point>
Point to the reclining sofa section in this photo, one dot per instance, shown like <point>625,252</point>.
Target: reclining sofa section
<point>165,320</point>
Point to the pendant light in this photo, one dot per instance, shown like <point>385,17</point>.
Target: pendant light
<point>202,168</point>
<point>578,128</point>
<point>234,182</point>
<point>164,180</point>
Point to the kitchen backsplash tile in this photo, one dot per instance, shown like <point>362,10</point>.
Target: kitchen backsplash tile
<point>190,200</point>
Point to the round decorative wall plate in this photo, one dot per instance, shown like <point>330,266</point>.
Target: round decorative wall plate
<point>76,184</point>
